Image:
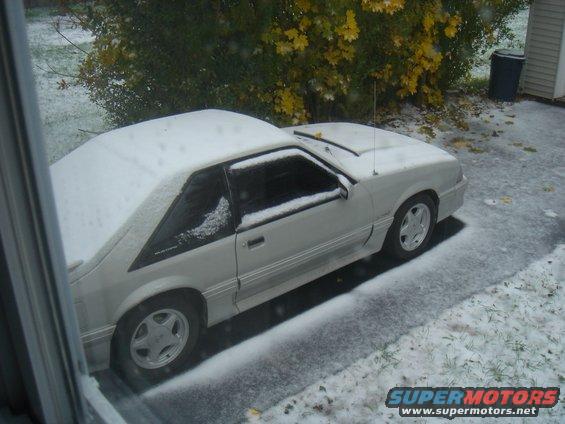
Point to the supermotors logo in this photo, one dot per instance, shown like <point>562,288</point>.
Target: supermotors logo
<point>452,402</point>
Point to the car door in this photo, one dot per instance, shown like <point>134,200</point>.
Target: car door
<point>291,221</point>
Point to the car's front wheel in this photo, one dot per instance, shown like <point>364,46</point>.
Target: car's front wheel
<point>412,227</point>
<point>156,338</point>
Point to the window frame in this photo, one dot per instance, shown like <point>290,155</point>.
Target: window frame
<point>34,289</point>
<point>235,190</point>
<point>139,262</point>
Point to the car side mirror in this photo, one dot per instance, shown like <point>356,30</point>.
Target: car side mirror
<point>344,186</point>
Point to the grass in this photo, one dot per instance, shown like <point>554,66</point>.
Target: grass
<point>510,335</point>
<point>476,85</point>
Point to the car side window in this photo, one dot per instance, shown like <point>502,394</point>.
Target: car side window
<point>279,183</point>
<point>200,215</point>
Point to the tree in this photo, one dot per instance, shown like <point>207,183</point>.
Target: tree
<point>288,61</point>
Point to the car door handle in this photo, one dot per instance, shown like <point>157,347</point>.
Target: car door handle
<point>255,242</point>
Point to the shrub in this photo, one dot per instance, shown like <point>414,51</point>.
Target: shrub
<point>288,61</point>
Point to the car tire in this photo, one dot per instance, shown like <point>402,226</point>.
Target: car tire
<point>414,238</point>
<point>144,348</point>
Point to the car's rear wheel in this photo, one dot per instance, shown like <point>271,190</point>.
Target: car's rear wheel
<point>156,338</point>
<point>412,227</point>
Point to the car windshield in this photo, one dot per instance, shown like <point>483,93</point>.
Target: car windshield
<point>310,211</point>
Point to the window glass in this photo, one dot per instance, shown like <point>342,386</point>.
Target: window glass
<point>268,188</point>
<point>200,215</point>
<point>357,143</point>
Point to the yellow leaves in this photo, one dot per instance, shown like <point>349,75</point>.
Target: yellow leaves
<point>304,5</point>
<point>455,20</point>
<point>305,23</point>
<point>296,41</point>
<point>332,56</point>
<point>380,6</point>
<point>450,31</point>
<point>452,26</point>
<point>349,31</point>
<point>428,22</point>
<point>343,52</point>
<point>410,82</point>
<point>291,33</point>
<point>347,51</point>
<point>317,44</point>
<point>290,104</point>
<point>385,74</point>
<point>300,42</point>
<point>283,47</point>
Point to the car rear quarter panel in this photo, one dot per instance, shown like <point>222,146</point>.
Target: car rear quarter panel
<point>109,290</point>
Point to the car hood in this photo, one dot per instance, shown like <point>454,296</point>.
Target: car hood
<point>365,151</point>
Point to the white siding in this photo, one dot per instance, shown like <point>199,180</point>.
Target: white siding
<point>544,71</point>
<point>560,82</point>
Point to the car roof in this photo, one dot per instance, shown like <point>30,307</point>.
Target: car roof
<point>100,185</point>
<point>188,140</point>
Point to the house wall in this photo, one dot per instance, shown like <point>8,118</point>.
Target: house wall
<point>543,70</point>
<point>560,83</point>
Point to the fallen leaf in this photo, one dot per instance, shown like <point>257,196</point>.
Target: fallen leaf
<point>507,200</point>
<point>476,150</point>
<point>254,412</point>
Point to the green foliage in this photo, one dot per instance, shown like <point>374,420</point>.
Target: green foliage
<point>287,61</point>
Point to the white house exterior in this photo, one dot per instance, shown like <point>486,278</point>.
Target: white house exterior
<point>544,70</point>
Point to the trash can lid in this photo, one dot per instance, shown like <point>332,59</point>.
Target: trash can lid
<point>510,53</point>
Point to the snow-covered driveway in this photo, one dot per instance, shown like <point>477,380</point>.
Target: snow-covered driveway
<point>514,214</point>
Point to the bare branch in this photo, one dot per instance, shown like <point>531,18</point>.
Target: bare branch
<point>89,132</point>
<point>56,28</point>
<point>55,72</point>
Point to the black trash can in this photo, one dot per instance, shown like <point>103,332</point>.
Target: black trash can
<point>505,68</point>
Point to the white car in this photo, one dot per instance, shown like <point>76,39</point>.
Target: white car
<point>179,223</point>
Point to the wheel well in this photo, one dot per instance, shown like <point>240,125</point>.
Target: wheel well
<point>433,195</point>
<point>191,295</point>
<point>196,299</point>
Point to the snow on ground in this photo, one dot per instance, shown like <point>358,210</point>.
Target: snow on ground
<point>509,335</point>
<point>64,106</point>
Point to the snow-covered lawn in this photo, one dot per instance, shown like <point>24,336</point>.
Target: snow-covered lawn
<point>509,335</point>
<point>67,114</point>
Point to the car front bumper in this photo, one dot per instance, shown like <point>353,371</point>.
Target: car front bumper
<point>452,200</point>
<point>97,347</point>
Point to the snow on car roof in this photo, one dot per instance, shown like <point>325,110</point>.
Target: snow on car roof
<point>99,185</point>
